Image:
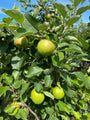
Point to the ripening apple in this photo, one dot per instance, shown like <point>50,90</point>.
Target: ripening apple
<point>21,42</point>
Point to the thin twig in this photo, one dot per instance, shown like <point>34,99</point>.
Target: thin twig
<point>81,96</point>
<point>12,90</point>
<point>35,115</point>
<point>65,29</point>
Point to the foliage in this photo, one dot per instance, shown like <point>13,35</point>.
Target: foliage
<point>23,69</point>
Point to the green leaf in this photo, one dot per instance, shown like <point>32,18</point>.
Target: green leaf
<point>73,48</point>
<point>65,117</point>
<point>68,92</point>
<point>83,9</point>
<point>72,20</point>
<point>1,118</point>
<point>52,117</point>
<point>61,8</point>
<point>69,37</point>
<point>77,2</point>
<point>84,43</point>
<point>16,74</point>
<point>63,107</point>
<point>17,84</point>
<point>49,110</point>
<point>64,44</point>
<point>72,1</point>
<point>17,61</point>
<point>34,71</point>
<point>48,94</point>
<point>7,20</point>
<point>13,25</point>
<point>30,23</point>
<point>55,60</point>
<point>77,114</point>
<point>15,14</point>
<point>3,24</point>
<point>17,115</point>
<point>83,78</point>
<point>38,86</point>
<point>83,104</point>
<point>66,78</point>
<point>3,90</point>
<point>20,33</point>
<point>36,11</point>
<point>29,26</point>
<point>24,113</point>
<point>48,80</point>
<point>7,79</point>
<point>61,56</point>
<point>82,1</point>
<point>10,109</point>
<point>24,87</point>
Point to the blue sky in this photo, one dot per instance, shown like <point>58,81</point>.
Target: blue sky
<point>8,4</point>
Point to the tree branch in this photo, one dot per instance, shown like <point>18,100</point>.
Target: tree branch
<point>35,115</point>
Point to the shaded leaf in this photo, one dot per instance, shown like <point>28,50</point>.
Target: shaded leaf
<point>68,92</point>
<point>38,86</point>
<point>66,78</point>
<point>3,48</point>
<point>17,61</point>
<point>24,87</point>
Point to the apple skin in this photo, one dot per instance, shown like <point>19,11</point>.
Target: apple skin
<point>37,97</point>
<point>58,92</point>
<point>21,42</point>
<point>48,15</point>
<point>45,47</point>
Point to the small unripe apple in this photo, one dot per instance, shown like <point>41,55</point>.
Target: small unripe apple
<point>37,97</point>
<point>21,42</point>
<point>48,15</point>
<point>58,92</point>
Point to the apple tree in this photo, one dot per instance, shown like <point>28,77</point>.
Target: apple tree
<point>40,54</point>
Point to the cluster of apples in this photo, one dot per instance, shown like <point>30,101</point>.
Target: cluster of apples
<point>45,48</point>
<point>38,97</point>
